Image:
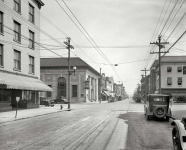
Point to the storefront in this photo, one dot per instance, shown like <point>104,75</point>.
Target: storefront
<point>27,88</point>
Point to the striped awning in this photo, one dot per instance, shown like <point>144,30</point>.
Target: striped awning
<point>16,81</point>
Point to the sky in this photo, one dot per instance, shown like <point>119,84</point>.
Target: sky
<point>109,32</point>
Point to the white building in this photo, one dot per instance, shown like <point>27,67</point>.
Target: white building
<point>19,54</point>
<point>173,75</point>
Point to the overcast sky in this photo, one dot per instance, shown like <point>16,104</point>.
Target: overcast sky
<point>122,29</point>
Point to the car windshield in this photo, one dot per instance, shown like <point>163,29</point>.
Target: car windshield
<point>159,99</point>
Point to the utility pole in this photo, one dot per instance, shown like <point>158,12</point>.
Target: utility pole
<point>69,72</point>
<point>100,86</point>
<point>145,83</point>
<point>160,45</point>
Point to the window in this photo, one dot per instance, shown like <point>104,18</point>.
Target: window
<point>31,39</point>
<point>169,80</point>
<point>61,87</point>
<point>17,5</point>
<point>31,13</point>
<point>169,69</point>
<point>17,60</point>
<point>179,69</point>
<point>1,55</point>
<point>179,80</point>
<point>74,90</point>
<point>31,64</point>
<point>49,94</point>
<point>17,31</point>
<point>1,22</point>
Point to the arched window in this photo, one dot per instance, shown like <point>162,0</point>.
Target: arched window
<point>61,88</point>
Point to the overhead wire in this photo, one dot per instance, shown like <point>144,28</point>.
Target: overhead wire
<point>96,47</point>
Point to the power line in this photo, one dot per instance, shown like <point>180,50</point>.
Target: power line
<point>96,47</point>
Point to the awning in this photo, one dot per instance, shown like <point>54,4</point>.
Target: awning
<point>178,94</point>
<point>16,81</point>
<point>106,93</point>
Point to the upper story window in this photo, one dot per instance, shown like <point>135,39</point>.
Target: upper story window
<point>17,60</point>
<point>169,80</point>
<point>31,64</point>
<point>169,69</point>
<point>1,54</point>
<point>179,68</point>
<point>31,13</point>
<point>74,90</point>
<point>17,31</point>
<point>179,80</point>
<point>31,39</point>
<point>1,22</point>
<point>17,5</point>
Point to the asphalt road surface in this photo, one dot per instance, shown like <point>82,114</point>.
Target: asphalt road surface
<point>93,126</point>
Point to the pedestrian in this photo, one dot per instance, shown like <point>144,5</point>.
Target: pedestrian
<point>171,100</point>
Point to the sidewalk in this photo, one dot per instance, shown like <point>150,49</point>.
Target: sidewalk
<point>29,113</point>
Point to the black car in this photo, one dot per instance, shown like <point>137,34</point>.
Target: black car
<point>60,100</point>
<point>44,101</point>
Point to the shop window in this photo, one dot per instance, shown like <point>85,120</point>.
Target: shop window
<point>169,69</point>
<point>169,80</point>
<point>74,90</point>
<point>179,80</point>
<point>179,69</point>
<point>49,94</point>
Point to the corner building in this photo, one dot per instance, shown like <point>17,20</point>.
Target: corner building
<point>19,54</point>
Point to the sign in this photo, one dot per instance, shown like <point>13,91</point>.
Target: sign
<point>87,84</point>
<point>17,99</point>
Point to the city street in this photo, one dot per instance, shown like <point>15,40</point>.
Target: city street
<point>92,126</point>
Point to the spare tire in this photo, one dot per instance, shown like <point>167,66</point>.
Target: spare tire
<point>159,111</point>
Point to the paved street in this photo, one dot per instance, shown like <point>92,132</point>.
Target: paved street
<point>91,126</point>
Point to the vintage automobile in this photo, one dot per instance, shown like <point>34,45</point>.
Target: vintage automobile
<point>157,105</point>
<point>60,100</point>
<point>46,102</point>
<point>179,134</point>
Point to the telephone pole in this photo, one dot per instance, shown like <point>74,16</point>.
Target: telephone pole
<point>100,89</point>
<point>145,82</point>
<point>69,72</point>
<point>160,45</point>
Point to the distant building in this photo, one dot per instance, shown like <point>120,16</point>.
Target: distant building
<point>173,76</point>
<point>54,72</point>
<point>19,59</point>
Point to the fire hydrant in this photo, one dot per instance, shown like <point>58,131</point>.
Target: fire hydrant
<point>61,106</point>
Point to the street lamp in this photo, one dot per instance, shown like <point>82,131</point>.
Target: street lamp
<point>74,68</point>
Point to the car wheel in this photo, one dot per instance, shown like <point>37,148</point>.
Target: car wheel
<point>159,112</point>
<point>176,139</point>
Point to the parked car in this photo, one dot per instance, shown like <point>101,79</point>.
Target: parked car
<point>60,100</point>
<point>179,134</point>
<point>46,102</point>
<point>157,105</point>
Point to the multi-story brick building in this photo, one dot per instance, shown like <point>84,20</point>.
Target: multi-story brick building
<point>54,72</point>
<point>173,76</point>
<point>19,56</point>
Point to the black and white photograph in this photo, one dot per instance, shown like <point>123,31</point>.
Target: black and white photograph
<point>92,74</point>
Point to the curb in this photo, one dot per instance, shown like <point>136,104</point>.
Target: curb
<point>33,116</point>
